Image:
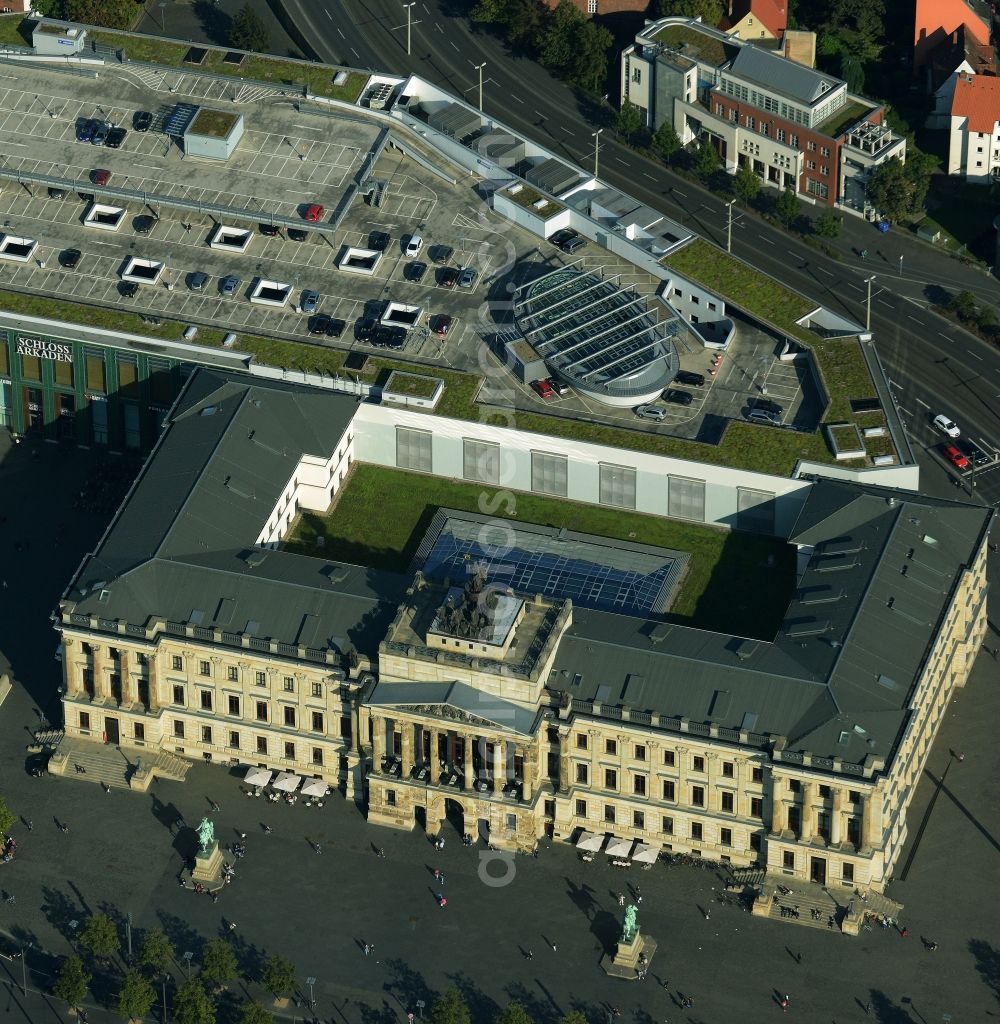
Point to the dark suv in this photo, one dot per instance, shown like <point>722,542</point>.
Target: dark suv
<point>690,378</point>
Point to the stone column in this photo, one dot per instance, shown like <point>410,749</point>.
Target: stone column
<point>102,690</point>
<point>435,757</point>
<point>836,816</point>
<point>871,821</point>
<point>153,673</point>
<point>469,746</point>
<point>128,683</point>
<point>564,779</point>
<point>378,742</point>
<point>528,784</point>
<point>73,665</point>
<point>499,764</point>
<point>408,762</point>
<point>779,821</point>
<point>808,829</point>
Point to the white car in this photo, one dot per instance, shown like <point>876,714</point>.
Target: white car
<point>413,246</point>
<point>946,426</point>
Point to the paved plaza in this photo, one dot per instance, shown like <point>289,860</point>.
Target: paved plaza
<point>122,856</point>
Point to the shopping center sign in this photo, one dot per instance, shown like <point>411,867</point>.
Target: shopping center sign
<point>28,345</point>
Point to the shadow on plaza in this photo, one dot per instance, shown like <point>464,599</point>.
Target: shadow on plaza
<point>987,964</point>
<point>885,1011</point>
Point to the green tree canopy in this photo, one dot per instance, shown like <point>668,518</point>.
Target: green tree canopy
<point>109,13</point>
<point>254,1013</point>
<point>710,11</point>
<point>218,963</point>
<point>514,1013</point>
<point>826,225</point>
<point>71,985</point>
<point>963,305</point>
<point>666,141</point>
<point>249,31</point>
<point>136,996</point>
<point>100,937</point>
<point>278,976</point>
<point>7,816</point>
<point>574,1017</point>
<point>193,1005</point>
<point>891,190</point>
<point>628,120</point>
<point>450,1008</point>
<point>786,209</point>
<point>156,951</point>
<point>746,184</point>
<point>706,160</point>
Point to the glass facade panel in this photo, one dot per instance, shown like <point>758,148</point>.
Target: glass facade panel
<point>617,486</point>
<point>161,382</point>
<point>99,421</point>
<point>686,498</point>
<point>481,461</point>
<point>128,376</point>
<point>4,360</point>
<point>754,510</point>
<point>549,473</point>
<point>31,367</point>
<point>63,373</point>
<point>97,379</point>
<point>414,449</point>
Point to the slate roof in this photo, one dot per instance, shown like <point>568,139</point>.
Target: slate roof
<point>837,679</point>
<point>177,549</point>
<point>464,699</point>
<point>782,76</point>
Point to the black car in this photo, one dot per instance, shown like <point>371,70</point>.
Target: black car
<point>768,406</point>
<point>379,240</point>
<point>415,271</point>
<point>129,289</point>
<point>335,328</point>
<point>297,234</point>
<point>141,120</point>
<point>115,138</point>
<point>690,378</point>
<point>364,329</point>
<point>678,397</point>
<point>568,240</point>
<point>447,277</point>
<point>143,224</point>
<point>973,452</point>
<point>56,193</point>
<point>441,253</point>
<point>319,324</point>
<point>37,764</point>
<point>269,229</point>
<point>69,258</point>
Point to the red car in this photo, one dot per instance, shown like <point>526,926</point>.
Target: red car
<point>544,389</point>
<point>100,176</point>
<point>442,324</point>
<point>313,213</point>
<point>955,457</point>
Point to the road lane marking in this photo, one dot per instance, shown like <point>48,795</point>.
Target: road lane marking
<point>618,159</point>
<point>823,270</point>
<point>678,192</point>
<point>920,402</point>
<point>945,336</point>
<point>763,239</point>
<point>974,356</point>
<point>910,316</point>
<point>453,46</point>
<point>645,175</point>
<point>518,98</point>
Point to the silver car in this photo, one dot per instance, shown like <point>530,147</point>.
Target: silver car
<point>651,412</point>
<point>310,301</point>
<point>229,285</point>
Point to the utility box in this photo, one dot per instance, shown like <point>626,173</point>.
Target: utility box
<point>213,134</point>
<point>57,40</point>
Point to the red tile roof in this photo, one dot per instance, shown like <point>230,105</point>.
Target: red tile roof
<point>772,14</point>
<point>977,97</point>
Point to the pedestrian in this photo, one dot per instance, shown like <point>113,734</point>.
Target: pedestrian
<point>243,835</point>
<point>4,584</point>
<point>798,958</point>
<point>30,824</point>
<point>63,827</point>
<point>368,949</point>
<point>528,955</point>
<point>442,901</point>
<point>215,807</point>
<point>268,830</point>
<point>554,950</point>
<point>868,1010</point>
<point>961,757</point>
<point>638,900</point>
<point>232,926</point>
<point>903,932</point>
<point>707,915</point>
<point>621,899</point>
<point>317,848</point>
<point>783,1003</point>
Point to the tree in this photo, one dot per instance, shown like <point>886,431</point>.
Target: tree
<point>7,816</point>
<point>666,141</point>
<point>628,120</point>
<point>193,1005</point>
<point>963,305</point>
<point>249,31</point>
<point>278,976</point>
<point>100,937</point>
<point>574,1017</point>
<point>746,184</point>
<point>555,39</point>
<point>157,951</point>
<point>591,45</point>
<point>450,1008</point>
<point>706,160</point>
<point>109,13</point>
<point>136,996</point>
<point>254,1013</point>
<point>710,11</point>
<point>71,985</point>
<point>514,1013</point>
<point>786,209</point>
<point>218,963</point>
<point>826,225</point>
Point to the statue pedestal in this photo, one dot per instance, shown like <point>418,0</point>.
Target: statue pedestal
<point>625,963</point>
<point>207,864</point>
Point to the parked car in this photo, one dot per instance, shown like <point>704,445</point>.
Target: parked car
<point>364,329</point>
<point>690,378</point>
<point>314,213</point>
<point>85,128</point>
<point>467,279</point>
<point>544,388</point>
<point>441,253</point>
<point>116,136</point>
<point>974,453</point>
<point>447,276</point>
<point>269,229</point>
<point>297,234</point>
<point>763,416</point>
<point>442,324</point>
<point>561,387</point>
<point>69,258</point>
<point>56,193</point>
<point>379,240</point>
<point>678,397</point>
<point>415,271</point>
<point>309,301</point>
<point>413,246</point>
<point>129,289</point>
<point>955,457</point>
<point>100,135</point>
<point>568,240</point>
<point>228,286</point>
<point>142,120</point>
<point>768,406</point>
<point>101,176</point>
<point>319,324</point>
<point>651,412</point>
<point>197,281</point>
<point>335,328</point>
<point>143,224</point>
<point>946,426</point>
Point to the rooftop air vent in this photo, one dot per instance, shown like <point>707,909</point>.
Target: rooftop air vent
<point>209,410</point>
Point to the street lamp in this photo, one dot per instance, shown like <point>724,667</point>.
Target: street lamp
<point>310,981</point>
<point>900,264</point>
<point>420,1004</point>
<point>24,967</point>
<point>409,7</point>
<point>188,957</point>
<point>729,226</point>
<point>596,136</point>
<point>479,68</point>
<point>868,312</point>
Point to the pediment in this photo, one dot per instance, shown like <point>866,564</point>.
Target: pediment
<point>451,713</point>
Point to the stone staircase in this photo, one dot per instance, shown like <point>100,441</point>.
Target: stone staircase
<point>115,767</point>
<point>805,897</point>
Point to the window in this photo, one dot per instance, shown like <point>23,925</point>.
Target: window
<point>617,486</point>
<point>824,150</point>
<point>811,165</point>
<point>178,694</point>
<point>413,449</point>
<point>128,374</point>
<point>611,747</point>
<point>669,758</point>
<point>31,367</point>
<point>751,122</point>
<point>234,739</point>
<point>261,744</point>
<point>697,764</point>
<point>667,825</point>
<point>390,797</point>
<point>261,711</point>
<point>234,704</point>
<point>289,717</point>
<point>854,796</point>
<point>640,751</point>
<point>317,689</point>
<point>696,831</point>
<point>794,141</point>
<point>720,109</point>
<point>686,498</point>
<point>178,729</point>
<point>581,808</point>
<point>233,674</point>
<point>781,134</point>
<point>757,774</point>
<point>317,721</point>
<point>591,6</point>
<point>668,790</point>
<point>726,836</point>
<point>824,792</point>
<point>610,778</point>
<point>764,130</point>
<point>581,741</point>
<point>727,769</point>
<point>847,872</point>
<point>794,786</point>
<point>84,719</point>
<point>177,663</point>
<point>734,116</point>
<point>754,510</point>
<point>609,813</point>
<point>811,146</point>
<point>728,802</point>
<point>824,170</point>
<point>698,796</point>
<point>755,841</point>
<point>139,731</point>
<point>289,684</point>
<point>204,668</point>
<point>639,785</point>
<point>788,860</point>
<point>289,751</point>
<point>206,700</point>
<point>206,734</point>
<point>817,188</point>
<point>756,807</point>
<point>549,473</point>
<point>854,831</point>
<point>317,756</point>
<point>637,75</point>
<point>581,774</point>
<point>638,819</point>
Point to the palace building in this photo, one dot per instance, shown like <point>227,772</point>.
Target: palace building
<point>522,681</point>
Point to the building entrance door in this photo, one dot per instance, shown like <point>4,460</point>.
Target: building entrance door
<point>817,870</point>
<point>111,730</point>
<point>484,831</point>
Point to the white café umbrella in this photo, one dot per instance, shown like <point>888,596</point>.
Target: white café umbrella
<point>589,842</point>
<point>619,848</point>
<point>286,782</point>
<point>315,787</point>
<point>644,854</point>
<point>257,776</point>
